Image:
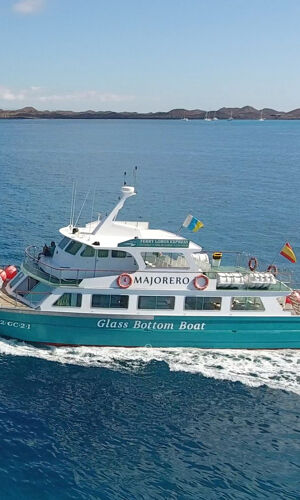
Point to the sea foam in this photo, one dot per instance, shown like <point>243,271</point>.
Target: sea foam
<point>276,369</point>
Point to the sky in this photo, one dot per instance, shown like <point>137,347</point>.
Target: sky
<point>149,55</point>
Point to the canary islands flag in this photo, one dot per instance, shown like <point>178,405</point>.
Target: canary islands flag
<point>288,253</point>
<point>192,223</point>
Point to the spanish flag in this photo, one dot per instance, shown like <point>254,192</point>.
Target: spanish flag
<point>288,253</point>
<point>192,223</point>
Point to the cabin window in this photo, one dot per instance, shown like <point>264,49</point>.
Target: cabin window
<point>69,300</point>
<point>247,304</point>
<point>73,247</point>
<point>102,254</point>
<point>26,286</point>
<point>110,301</point>
<point>16,279</point>
<point>202,303</point>
<point>119,254</point>
<point>156,302</point>
<point>63,243</point>
<point>165,260</point>
<point>88,252</point>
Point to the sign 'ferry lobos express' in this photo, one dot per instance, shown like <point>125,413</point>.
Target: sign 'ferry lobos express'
<point>117,283</point>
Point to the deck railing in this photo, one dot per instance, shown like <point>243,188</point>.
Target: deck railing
<point>59,275</point>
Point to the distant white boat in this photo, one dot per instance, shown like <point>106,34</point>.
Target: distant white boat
<point>261,119</point>
<point>231,117</point>
<point>215,118</point>
<point>207,119</point>
<point>185,119</point>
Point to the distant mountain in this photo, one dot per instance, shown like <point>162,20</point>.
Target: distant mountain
<point>245,113</point>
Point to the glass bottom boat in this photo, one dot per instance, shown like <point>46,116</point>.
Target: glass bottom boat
<point>120,283</point>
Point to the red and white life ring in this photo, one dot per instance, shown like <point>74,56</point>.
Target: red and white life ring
<point>253,263</point>
<point>273,269</point>
<point>124,280</point>
<point>201,282</point>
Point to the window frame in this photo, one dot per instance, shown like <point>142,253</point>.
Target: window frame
<point>102,256</point>
<point>78,302</point>
<point>73,242</point>
<point>154,260</point>
<point>66,240</point>
<point>89,248</point>
<point>240,299</point>
<point>110,301</point>
<point>122,254</point>
<point>157,299</point>
<point>198,299</point>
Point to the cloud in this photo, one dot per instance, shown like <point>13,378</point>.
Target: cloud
<point>28,6</point>
<point>35,95</point>
<point>9,95</point>
<point>87,95</point>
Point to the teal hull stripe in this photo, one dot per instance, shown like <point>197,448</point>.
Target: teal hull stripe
<point>203,332</point>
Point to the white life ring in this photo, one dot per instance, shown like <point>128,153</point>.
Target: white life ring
<point>201,282</point>
<point>124,280</point>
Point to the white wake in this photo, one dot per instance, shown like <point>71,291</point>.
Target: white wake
<point>276,369</point>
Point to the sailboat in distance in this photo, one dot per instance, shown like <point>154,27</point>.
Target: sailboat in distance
<point>207,119</point>
<point>231,117</point>
<point>261,119</point>
<point>215,118</point>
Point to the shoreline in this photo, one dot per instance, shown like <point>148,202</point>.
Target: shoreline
<point>245,113</point>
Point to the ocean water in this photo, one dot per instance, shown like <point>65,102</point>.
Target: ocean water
<point>91,423</point>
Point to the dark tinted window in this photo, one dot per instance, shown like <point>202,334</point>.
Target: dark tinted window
<point>73,247</point>
<point>69,300</point>
<point>63,242</point>
<point>119,254</point>
<point>247,304</point>
<point>202,303</point>
<point>110,301</point>
<point>156,302</point>
<point>88,252</point>
<point>102,253</point>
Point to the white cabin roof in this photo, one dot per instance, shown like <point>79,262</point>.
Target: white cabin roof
<point>109,233</point>
<point>119,232</point>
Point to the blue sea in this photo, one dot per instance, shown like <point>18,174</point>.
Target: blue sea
<point>103,423</point>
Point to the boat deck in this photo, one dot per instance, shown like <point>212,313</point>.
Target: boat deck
<point>10,302</point>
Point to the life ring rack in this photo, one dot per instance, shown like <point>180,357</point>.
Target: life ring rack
<point>253,263</point>
<point>272,269</point>
<point>124,280</point>
<point>202,278</point>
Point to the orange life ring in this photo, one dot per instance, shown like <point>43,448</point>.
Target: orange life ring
<point>124,280</point>
<point>253,263</point>
<point>272,269</point>
<point>204,279</point>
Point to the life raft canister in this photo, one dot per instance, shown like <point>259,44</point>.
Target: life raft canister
<point>124,280</point>
<point>201,282</point>
<point>272,269</point>
<point>253,263</point>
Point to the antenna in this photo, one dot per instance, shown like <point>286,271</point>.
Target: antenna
<point>124,178</point>
<point>134,177</point>
<point>82,207</point>
<point>92,209</point>
<point>73,200</point>
<point>71,207</point>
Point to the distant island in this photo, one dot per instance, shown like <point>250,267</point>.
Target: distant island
<point>245,113</point>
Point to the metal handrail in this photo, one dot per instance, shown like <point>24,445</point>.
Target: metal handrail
<point>31,253</point>
<point>81,269</point>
